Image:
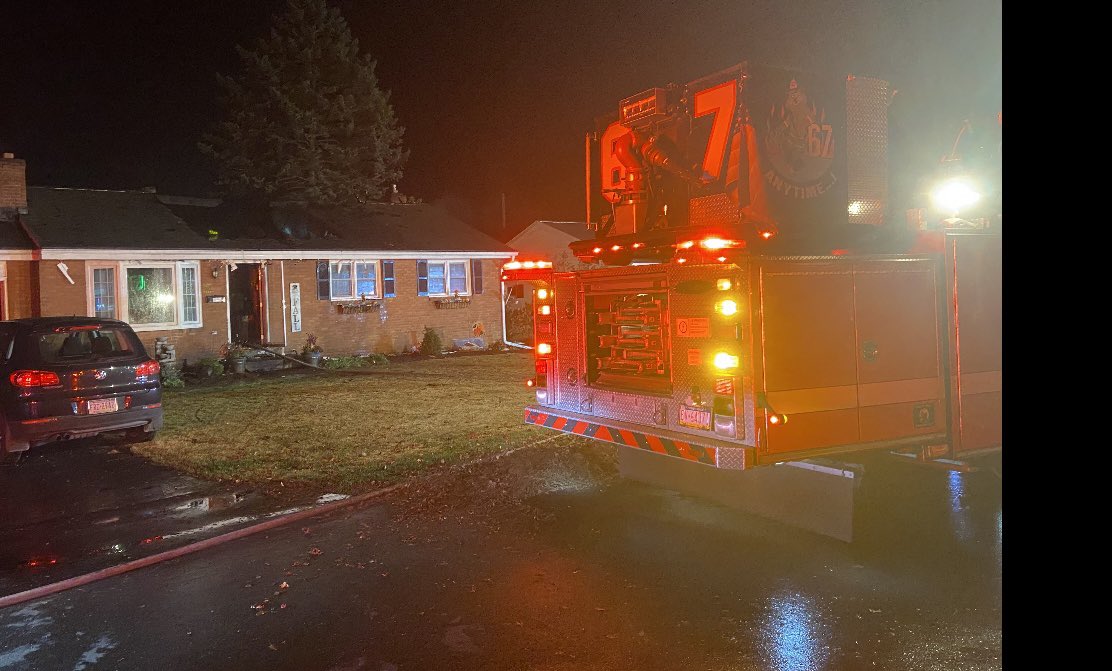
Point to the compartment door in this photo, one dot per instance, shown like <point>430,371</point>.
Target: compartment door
<point>901,388</point>
<point>808,355</point>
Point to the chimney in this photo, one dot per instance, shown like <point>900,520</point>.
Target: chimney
<point>13,185</point>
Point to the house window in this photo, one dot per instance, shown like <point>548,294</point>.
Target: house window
<point>104,293</point>
<point>444,277</point>
<point>353,279</point>
<point>340,272</point>
<point>190,307</point>
<point>148,296</point>
<point>366,282</point>
<point>151,299</point>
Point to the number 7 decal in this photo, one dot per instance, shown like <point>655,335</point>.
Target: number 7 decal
<point>721,101</point>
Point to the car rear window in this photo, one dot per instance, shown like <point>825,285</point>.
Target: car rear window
<point>84,344</point>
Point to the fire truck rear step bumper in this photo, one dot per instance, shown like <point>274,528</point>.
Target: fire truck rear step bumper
<point>664,442</point>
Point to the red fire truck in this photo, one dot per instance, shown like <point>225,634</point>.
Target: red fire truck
<point>752,303</point>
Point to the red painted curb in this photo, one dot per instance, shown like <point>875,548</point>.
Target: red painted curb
<point>77,581</point>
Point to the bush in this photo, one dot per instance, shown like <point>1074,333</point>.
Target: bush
<point>171,377</point>
<point>210,366</point>
<point>377,359</point>
<point>341,362</point>
<point>430,343</point>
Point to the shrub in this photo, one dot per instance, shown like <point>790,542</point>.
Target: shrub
<point>377,359</point>
<point>171,377</point>
<point>210,366</point>
<point>430,342</point>
<point>340,362</point>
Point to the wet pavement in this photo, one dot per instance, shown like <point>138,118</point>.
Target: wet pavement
<point>80,506</point>
<point>579,572</point>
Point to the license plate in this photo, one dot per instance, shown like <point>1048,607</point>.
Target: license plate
<point>99,405</point>
<point>695,418</point>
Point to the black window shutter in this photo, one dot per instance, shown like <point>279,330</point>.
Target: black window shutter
<point>422,278</point>
<point>324,291</point>
<point>388,279</point>
<point>476,276</point>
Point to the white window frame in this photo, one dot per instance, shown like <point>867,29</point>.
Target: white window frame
<point>121,269</point>
<point>89,293</point>
<point>376,263</point>
<point>447,263</point>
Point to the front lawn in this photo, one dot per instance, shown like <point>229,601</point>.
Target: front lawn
<point>344,430</point>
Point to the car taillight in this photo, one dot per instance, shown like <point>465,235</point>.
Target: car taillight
<point>147,368</point>
<point>34,378</point>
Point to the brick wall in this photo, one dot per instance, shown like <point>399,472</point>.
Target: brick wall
<point>60,298</point>
<point>407,315</point>
<point>13,183</point>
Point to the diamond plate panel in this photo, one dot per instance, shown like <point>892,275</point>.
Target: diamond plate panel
<point>732,457</point>
<point>714,210</point>
<point>867,148</point>
<point>567,302</point>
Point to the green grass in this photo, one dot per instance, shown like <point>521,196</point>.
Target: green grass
<point>344,429</point>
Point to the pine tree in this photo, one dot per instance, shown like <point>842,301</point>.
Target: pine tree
<point>306,121</point>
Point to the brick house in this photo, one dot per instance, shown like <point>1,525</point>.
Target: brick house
<point>201,273</point>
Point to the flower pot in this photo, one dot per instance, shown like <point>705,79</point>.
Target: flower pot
<point>313,358</point>
<point>239,365</point>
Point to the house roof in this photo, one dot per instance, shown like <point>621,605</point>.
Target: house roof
<point>141,220</point>
<point>12,238</point>
<point>574,229</point>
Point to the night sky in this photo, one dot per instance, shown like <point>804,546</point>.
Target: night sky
<point>495,96</point>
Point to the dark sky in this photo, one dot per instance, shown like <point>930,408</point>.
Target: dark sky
<point>495,96</point>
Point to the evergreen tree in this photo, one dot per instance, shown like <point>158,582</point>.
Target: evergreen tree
<point>306,121</point>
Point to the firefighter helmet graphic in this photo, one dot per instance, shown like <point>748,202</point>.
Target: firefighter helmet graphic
<point>799,143</point>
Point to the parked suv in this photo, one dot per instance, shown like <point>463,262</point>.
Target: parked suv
<point>73,377</point>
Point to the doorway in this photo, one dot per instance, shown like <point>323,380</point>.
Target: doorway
<point>246,303</point>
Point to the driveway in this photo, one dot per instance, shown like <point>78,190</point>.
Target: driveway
<point>542,560</point>
<point>85,505</point>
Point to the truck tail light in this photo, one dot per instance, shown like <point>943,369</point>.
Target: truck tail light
<point>545,310</point>
<point>148,368</point>
<point>34,378</point>
<point>544,348</point>
<point>542,367</point>
<point>542,294</point>
<point>725,361</point>
<point>776,419</point>
<point>726,308</point>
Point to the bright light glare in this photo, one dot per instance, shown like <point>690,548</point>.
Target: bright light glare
<point>725,284</point>
<point>724,360</point>
<point>544,348</point>
<point>716,243</point>
<point>727,307</point>
<point>542,294</point>
<point>955,195</point>
<point>546,309</point>
<point>166,298</point>
<point>855,208</point>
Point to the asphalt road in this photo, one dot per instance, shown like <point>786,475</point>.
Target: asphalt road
<point>573,570</point>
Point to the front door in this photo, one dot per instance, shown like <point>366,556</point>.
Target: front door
<point>245,303</point>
